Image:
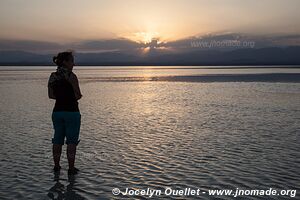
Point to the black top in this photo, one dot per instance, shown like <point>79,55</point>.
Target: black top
<point>65,97</point>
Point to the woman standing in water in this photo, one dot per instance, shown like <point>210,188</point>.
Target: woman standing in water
<point>63,86</point>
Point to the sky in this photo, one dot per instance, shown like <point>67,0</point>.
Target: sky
<point>66,21</point>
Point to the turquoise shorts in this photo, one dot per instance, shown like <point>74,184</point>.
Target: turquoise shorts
<point>66,125</point>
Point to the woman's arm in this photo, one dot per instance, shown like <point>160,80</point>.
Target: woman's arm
<point>50,88</point>
<point>75,83</point>
<point>51,93</point>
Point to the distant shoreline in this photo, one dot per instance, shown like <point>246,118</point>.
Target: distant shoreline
<point>147,67</point>
<point>209,66</point>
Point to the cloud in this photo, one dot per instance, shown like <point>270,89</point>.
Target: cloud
<point>120,44</point>
<point>129,46</point>
<point>227,41</point>
<point>106,45</point>
<point>29,46</point>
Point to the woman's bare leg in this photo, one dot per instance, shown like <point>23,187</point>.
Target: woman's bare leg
<point>56,150</point>
<point>71,152</point>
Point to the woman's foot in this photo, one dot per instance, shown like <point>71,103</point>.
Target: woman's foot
<point>73,171</point>
<point>56,168</point>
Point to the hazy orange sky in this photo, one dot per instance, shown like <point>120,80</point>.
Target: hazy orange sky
<point>141,20</point>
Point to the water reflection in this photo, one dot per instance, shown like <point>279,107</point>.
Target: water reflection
<point>152,135</point>
<point>59,191</point>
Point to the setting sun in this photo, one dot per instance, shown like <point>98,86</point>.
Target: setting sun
<point>144,37</point>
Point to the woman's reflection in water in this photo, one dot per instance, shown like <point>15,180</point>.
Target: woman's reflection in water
<point>59,191</point>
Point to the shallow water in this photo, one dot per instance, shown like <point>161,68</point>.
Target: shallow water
<point>152,134</point>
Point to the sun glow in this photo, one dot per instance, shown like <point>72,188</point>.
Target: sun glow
<point>144,37</point>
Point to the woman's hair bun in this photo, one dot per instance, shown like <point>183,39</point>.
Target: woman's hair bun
<point>61,57</point>
<point>55,59</point>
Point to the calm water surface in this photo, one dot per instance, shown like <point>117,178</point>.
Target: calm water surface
<point>140,132</point>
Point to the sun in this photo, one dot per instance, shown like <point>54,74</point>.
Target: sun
<point>145,37</point>
<point>149,41</point>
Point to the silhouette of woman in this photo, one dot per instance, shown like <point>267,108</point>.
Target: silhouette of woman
<point>63,86</point>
